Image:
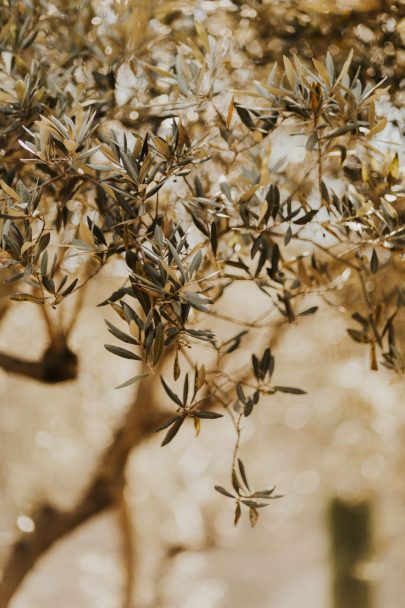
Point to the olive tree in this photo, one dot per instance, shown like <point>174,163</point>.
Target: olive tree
<point>124,140</point>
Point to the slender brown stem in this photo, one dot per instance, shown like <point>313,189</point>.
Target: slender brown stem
<point>76,311</point>
<point>320,169</point>
<point>48,322</point>
<point>237,442</point>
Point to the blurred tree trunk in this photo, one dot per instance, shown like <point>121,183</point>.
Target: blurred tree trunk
<point>350,531</point>
<point>104,491</point>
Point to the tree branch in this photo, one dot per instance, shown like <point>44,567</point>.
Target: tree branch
<point>103,492</point>
<point>58,364</point>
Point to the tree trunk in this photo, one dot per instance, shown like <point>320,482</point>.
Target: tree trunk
<point>350,532</point>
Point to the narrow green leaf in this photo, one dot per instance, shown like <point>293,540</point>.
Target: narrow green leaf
<point>122,352</point>
<point>243,473</point>
<point>306,218</point>
<point>238,512</point>
<point>167,423</point>
<point>222,490</point>
<point>308,311</point>
<point>132,380</point>
<point>171,394</point>
<point>290,389</point>
<point>253,516</point>
<point>374,264</point>
<point>174,429</point>
<point>121,335</point>
<point>71,287</point>
<point>205,414</point>
<point>26,297</point>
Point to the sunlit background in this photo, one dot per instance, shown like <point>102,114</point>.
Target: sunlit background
<point>343,439</point>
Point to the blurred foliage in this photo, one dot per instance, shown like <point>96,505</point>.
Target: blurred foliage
<point>372,28</point>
